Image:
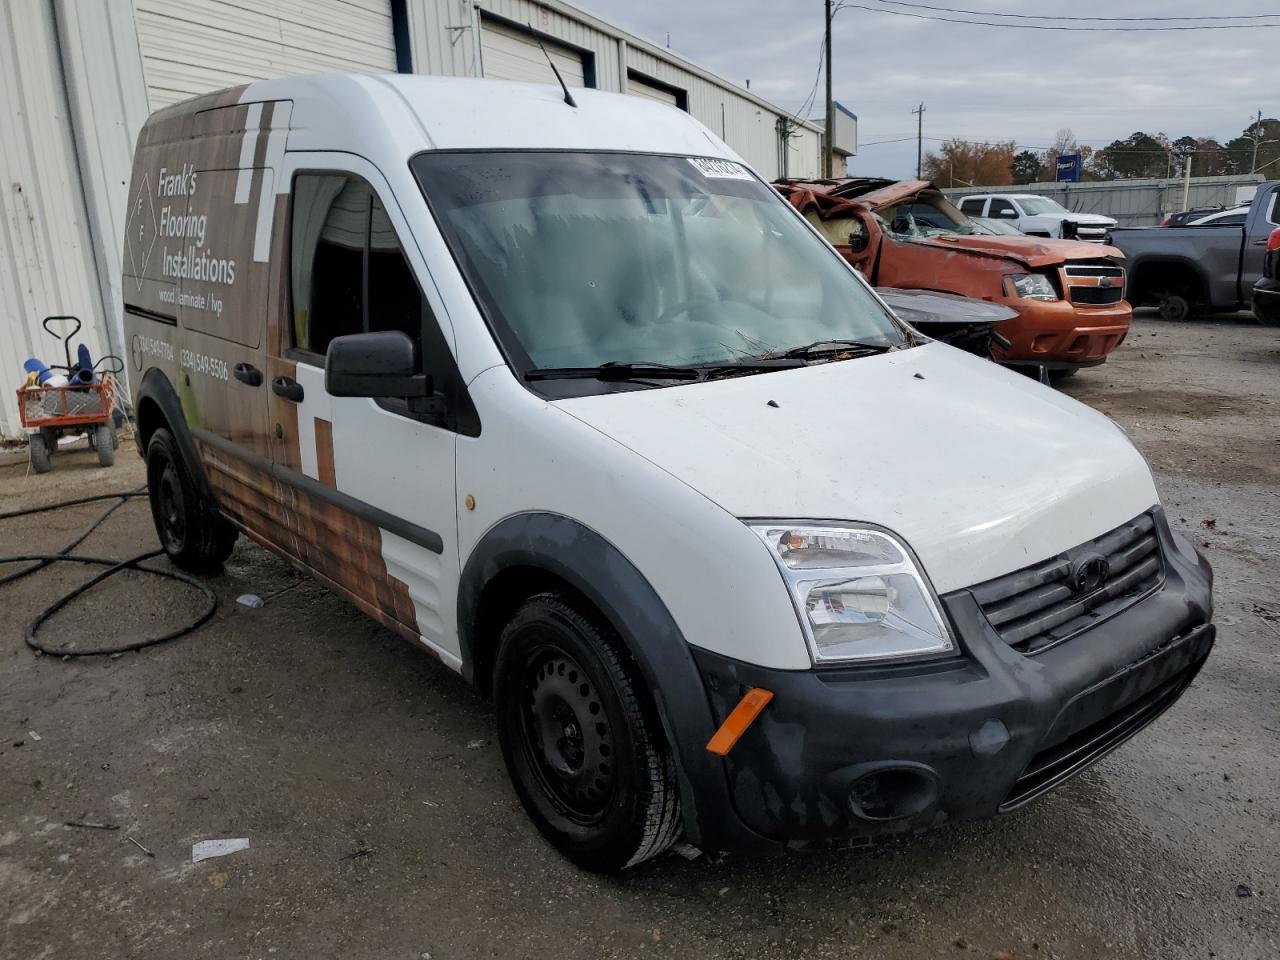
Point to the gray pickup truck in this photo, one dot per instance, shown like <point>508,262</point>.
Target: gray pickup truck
<point>1181,269</point>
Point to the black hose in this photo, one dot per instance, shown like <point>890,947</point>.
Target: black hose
<point>38,561</point>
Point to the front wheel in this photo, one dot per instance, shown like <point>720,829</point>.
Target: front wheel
<point>193,534</point>
<point>1175,308</point>
<point>584,751</point>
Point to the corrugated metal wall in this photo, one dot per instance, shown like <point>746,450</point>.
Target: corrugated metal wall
<point>107,94</point>
<point>46,256</point>
<point>190,47</point>
<point>1133,203</point>
<point>444,41</point>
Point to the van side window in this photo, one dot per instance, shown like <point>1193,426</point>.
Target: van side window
<point>330,224</point>
<point>350,275</point>
<point>395,303</point>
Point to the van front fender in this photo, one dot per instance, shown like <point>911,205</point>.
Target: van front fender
<point>547,548</point>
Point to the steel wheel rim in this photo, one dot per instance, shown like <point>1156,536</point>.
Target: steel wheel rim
<point>170,506</point>
<point>566,735</point>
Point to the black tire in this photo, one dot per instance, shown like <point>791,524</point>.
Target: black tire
<point>1175,308</point>
<point>50,439</point>
<point>1062,374</point>
<point>39,453</point>
<point>193,534</point>
<point>582,745</point>
<point>102,443</point>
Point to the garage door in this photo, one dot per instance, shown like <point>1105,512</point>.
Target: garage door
<point>190,47</point>
<point>639,88</point>
<point>508,54</point>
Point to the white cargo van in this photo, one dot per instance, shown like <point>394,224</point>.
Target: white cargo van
<point>569,397</point>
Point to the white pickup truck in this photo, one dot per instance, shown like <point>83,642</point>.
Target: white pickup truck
<point>1039,216</point>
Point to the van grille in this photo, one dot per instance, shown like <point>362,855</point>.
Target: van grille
<point>1051,601</point>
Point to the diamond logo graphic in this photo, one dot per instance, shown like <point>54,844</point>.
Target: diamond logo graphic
<point>141,231</point>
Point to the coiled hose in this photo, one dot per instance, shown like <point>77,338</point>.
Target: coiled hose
<point>38,561</point>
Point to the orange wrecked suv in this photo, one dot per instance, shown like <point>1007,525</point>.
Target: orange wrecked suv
<point>1069,295</point>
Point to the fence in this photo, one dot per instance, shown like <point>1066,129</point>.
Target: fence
<point>1133,203</point>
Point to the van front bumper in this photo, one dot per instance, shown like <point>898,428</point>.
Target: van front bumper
<point>843,756</point>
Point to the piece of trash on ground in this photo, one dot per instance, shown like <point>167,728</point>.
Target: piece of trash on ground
<point>91,825</point>
<point>208,849</point>
<point>250,600</point>
<point>477,744</point>
<point>140,846</point>
<point>34,736</point>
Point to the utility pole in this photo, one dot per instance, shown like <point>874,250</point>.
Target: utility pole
<point>1257,135</point>
<point>1186,184</point>
<point>919,112</point>
<point>827,164</point>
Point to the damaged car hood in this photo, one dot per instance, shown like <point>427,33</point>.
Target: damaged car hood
<point>981,470</point>
<point>1035,252</point>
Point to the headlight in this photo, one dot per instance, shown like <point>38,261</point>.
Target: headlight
<point>859,593</point>
<point>1030,286</point>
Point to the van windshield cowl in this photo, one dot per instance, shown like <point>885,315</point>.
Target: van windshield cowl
<point>583,261</point>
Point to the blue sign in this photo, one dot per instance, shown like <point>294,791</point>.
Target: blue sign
<point>1068,168</point>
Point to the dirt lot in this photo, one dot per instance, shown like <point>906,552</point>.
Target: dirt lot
<point>382,825</point>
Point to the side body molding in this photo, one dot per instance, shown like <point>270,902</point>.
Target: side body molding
<point>556,545</point>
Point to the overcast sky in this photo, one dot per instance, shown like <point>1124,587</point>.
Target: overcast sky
<point>980,82</point>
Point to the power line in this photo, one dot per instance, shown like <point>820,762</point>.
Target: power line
<point>1056,27</point>
<point>1039,16</point>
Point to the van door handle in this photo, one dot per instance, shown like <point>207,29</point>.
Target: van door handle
<point>288,388</point>
<point>1260,242</point>
<point>248,373</point>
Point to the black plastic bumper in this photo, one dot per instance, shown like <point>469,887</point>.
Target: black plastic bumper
<point>848,755</point>
<point>1266,301</point>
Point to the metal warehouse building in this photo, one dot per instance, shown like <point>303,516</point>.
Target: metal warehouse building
<point>79,77</point>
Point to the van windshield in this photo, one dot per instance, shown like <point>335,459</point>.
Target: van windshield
<point>582,259</point>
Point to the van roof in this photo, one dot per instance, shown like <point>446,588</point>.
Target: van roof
<point>407,113</point>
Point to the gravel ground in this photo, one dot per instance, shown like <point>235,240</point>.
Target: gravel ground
<point>382,825</point>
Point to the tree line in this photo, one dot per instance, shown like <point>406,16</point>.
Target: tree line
<point>960,163</point>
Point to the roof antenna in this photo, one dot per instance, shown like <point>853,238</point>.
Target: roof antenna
<point>568,97</point>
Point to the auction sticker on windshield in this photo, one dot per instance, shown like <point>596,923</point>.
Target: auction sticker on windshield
<point>720,169</point>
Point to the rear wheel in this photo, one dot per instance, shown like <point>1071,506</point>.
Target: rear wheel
<point>191,531</point>
<point>39,453</point>
<point>1175,308</point>
<point>583,749</point>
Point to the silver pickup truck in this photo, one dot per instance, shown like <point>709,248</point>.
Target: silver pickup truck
<point>1181,269</point>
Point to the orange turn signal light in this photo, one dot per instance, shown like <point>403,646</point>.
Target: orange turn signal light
<point>742,716</point>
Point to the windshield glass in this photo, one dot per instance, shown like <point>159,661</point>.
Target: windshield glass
<point>1034,206</point>
<point>581,259</point>
<point>926,215</point>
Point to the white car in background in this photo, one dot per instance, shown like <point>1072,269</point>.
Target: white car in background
<point>1235,217</point>
<point>1039,216</point>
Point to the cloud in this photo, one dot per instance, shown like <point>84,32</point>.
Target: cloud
<point>979,82</point>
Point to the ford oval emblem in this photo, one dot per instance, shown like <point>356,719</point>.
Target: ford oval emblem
<point>1089,573</point>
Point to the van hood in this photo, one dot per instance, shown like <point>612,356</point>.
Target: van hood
<point>1035,252</point>
<point>981,470</point>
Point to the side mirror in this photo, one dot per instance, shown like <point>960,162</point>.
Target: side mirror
<point>1010,214</point>
<point>378,364</point>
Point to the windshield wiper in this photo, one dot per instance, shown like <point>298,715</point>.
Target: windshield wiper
<point>616,370</point>
<point>821,348</point>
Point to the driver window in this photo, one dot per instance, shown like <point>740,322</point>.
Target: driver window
<point>1002,208</point>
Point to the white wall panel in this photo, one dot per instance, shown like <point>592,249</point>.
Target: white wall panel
<point>191,47</point>
<point>510,54</point>
<point>107,95</point>
<point>46,257</point>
